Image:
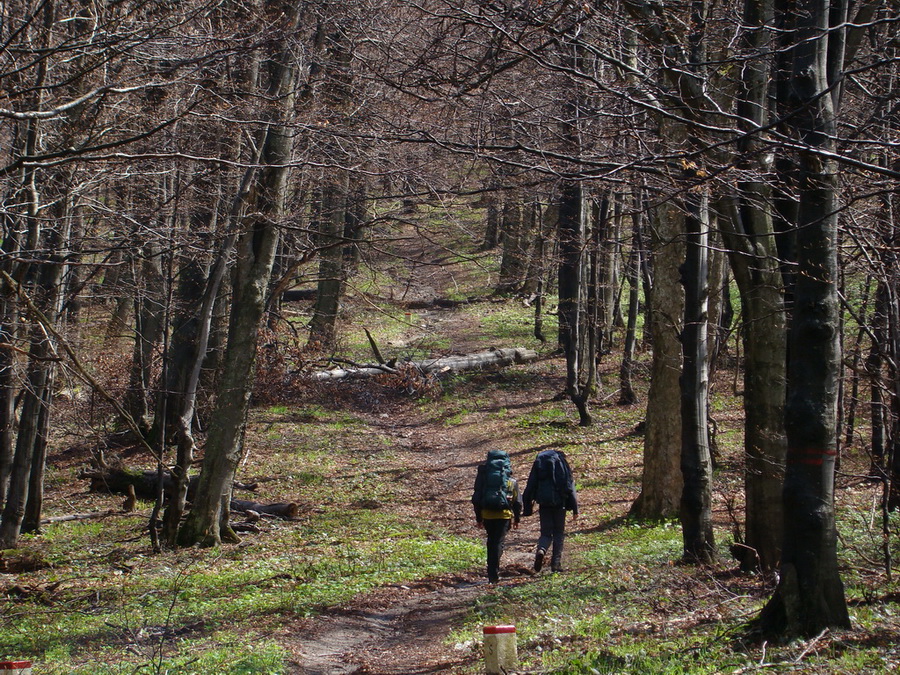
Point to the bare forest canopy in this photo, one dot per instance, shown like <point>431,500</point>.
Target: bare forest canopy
<point>191,194</point>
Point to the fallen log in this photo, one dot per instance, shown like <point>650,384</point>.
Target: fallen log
<point>140,484</point>
<point>285,510</point>
<point>494,358</point>
<point>117,480</point>
<point>78,516</point>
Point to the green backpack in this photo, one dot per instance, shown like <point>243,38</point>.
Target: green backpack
<point>497,482</point>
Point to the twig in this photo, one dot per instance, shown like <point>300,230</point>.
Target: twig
<point>812,643</point>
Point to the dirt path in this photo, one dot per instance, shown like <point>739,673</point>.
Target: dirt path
<point>403,629</point>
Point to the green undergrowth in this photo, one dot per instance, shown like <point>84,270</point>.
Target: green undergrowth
<point>625,605</point>
<point>189,610</point>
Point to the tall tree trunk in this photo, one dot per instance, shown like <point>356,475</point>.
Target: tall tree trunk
<point>207,523</point>
<point>7,386</point>
<point>627,395</point>
<point>696,462</point>
<point>607,224</point>
<point>491,216</point>
<point>184,351</point>
<point>355,223</point>
<point>571,238</point>
<point>331,217</point>
<point>24,497</point>
<point>750,237</point>
<point>516,230</point>
<point>661,480</point>
<point>810,595</point>
<point>534,269</point>
<point>335,189</point>
<point>571,245</point>
<point>51,295</point>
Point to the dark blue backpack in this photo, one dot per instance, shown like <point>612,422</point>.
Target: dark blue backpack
<point>552,479</point>
<point>497,482</point>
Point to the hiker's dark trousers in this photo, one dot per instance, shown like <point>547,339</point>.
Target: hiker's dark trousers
<point>496,529</point>
<point>553,531</point>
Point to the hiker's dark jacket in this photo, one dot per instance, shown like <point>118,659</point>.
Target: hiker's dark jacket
<point>569,498</point>
<point>489,514</point>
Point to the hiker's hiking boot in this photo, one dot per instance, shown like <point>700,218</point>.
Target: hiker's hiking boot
<point>539,559</point>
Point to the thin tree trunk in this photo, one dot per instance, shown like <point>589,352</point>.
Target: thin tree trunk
<point>148,313</point>
<point>627,395</point>
<point>696,463</point>
<point>207,523</point>
<point>514,233</point>
<point>7,393</point>
<point>570,282</point>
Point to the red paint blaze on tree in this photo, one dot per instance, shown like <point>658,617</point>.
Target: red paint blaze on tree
<point>810,456</point>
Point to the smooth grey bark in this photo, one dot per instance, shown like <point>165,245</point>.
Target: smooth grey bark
<point>491,216</point>
<point>194,357</point>
<point>534,270</point>
<point>753,250</point>
<point>7,394</point>
<point>185,349</point>
<point>548,220</point>
<point>207,522</point>
<point>661,480</point>
<point>696,463</point>
<point>750,238</point>
<point>47,195</point>
<point>355,223</point>
<point>810,594</point>
<point>9,326</point>
<point>570,221</point>
<point>515,234</point>
<point>748,230</point>
<point>51,294</point>
<point>607,223</point>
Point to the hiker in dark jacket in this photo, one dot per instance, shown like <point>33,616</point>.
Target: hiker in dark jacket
<point>496,521</point>
<point>551,485</point>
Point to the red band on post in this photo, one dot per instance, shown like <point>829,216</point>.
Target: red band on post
<point>494,630</point>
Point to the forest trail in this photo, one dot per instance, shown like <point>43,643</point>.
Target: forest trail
<point>403,629</point>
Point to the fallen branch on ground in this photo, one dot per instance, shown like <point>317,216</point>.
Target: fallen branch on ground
<point>494,358</point>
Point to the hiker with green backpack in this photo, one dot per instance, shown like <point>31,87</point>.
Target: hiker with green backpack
<point>551,485</point>
<point>497,503</point>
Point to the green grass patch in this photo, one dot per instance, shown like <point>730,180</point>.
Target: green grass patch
<point>512,323</point>
<point>168,613</point>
